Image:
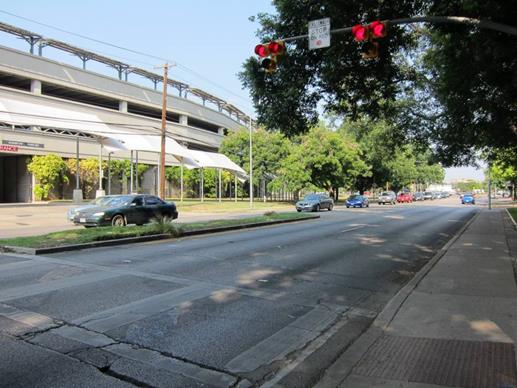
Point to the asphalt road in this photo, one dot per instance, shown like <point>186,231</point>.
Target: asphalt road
<point>274,305</point>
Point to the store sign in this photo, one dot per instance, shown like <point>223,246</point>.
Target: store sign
<point>9,148</point>
<point>23,144</point>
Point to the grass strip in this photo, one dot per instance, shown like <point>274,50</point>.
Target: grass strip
<point>83,235</point>
<point>513,212</point>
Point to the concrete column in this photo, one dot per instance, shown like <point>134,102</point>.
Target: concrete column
<point>122,106</point>
<point>100,192</point>
<point>78,193</point>
<point>183,120</point>
<point>220,131</point>
<point>35,86</point>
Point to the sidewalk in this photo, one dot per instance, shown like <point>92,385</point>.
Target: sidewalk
<point>454,324</point>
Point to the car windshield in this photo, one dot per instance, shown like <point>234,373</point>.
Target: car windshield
<point>355,197</point>
<point>468,194</point>
<point>311,197</point>
<point>101,201</point>
<point>385,193</point>
<point>120,201</point>
<point>428,193</point>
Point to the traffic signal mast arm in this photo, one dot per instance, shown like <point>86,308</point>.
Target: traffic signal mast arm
<point>428,19</point>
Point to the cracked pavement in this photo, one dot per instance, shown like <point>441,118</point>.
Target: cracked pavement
<point>268,306</point>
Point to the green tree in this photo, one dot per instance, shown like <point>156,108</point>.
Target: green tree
<point>471,73</point>
<point>48,171</point>
<point>322,159</point>
<point>288,99</point>
<point>269,149</point>
<point>89,173</point>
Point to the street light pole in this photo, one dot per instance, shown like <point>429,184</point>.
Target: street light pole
<point>164,127</point>
<point>251,165</point>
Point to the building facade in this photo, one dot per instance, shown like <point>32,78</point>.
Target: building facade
<point>44,102</point>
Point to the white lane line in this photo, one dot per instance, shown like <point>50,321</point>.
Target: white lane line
<point>73,281</point>
<point>350,229</point>
<point>286,340</point>
<point>106,320</point>
<point>153,360</point>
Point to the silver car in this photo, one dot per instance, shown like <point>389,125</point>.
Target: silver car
<point>387,197</point>
<point>315,202</point>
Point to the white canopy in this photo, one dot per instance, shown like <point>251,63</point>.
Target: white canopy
<point>216,160</point>
<point>21,109</point>
<point>114,137</point>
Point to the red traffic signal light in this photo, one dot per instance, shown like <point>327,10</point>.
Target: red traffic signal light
<point>270,52</point>
<point>360,32</point>
<point>262,50</point>
<point>378,29</point>
<point>276,47</point>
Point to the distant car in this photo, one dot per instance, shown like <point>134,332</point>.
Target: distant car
<point>418,196</point>
<point>315,202</point>
<point>428,195</point>
<point>70,214</point>
<point>357,201</point>
<point>405,197</point>
<point>122,210</point>
<point>387,197</point>
<point>468,198</point>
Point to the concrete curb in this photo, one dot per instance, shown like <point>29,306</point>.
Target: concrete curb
<point>153,237</point>
<point>511,218</point>
<point>358,349</point>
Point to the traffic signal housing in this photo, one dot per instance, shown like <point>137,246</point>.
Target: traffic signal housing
<point>366,34</point>
<point>270,54</point>
<point>360,32</point>
<point>378,29</point>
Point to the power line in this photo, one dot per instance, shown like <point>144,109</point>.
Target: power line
<point>128,50</point>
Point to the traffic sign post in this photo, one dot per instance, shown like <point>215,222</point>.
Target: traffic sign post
<point>319,33</point>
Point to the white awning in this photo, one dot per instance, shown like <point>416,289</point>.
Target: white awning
<point>19,111</point>
<point>24,109</point>
<point>217,160</point>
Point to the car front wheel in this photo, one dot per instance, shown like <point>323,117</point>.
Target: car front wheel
<point>331,206</point>
<point>317,208</point>
<point>118,220</point>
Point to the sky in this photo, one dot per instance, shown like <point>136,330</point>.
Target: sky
<point>208,40</point>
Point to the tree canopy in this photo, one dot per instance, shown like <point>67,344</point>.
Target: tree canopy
<point>448,87</point>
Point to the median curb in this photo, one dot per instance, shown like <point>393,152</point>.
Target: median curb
<point>511,218</point>
<point>153,237</point>
<point>340,370</point>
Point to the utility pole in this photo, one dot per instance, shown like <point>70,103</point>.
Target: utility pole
<point>489,186</point>
<point>164,128</point>
<point>251,166</point>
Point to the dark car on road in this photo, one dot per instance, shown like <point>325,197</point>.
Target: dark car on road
<point>315,202</point>
<point>126,209</point>
<point>357,201</point>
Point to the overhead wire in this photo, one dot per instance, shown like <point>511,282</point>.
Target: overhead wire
<point>186,68</point>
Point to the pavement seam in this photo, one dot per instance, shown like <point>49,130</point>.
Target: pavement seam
<point>391,309</point>
<point>29,335</point>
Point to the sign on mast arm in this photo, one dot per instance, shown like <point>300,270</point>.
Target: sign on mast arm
<point>319,33</point>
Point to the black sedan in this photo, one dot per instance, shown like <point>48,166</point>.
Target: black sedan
<point>315,202</point>
<point>126,209</point>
